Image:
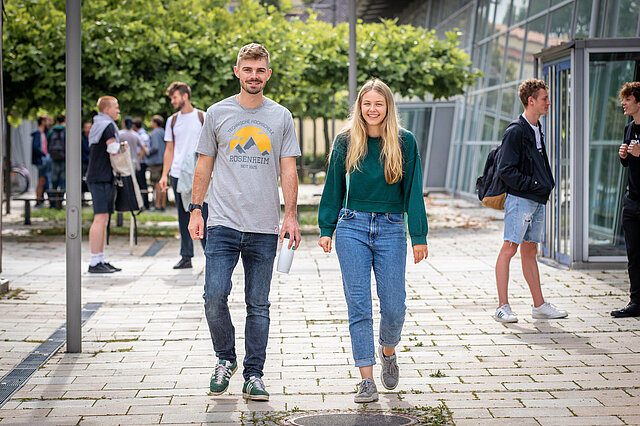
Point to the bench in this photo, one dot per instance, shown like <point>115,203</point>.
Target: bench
<point>53,196</point>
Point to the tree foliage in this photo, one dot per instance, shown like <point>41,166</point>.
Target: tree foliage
<point>133,49</point>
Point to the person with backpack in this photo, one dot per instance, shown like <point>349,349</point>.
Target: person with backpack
<point>181,134</point>
<point>57,140</point>
<point>104,141</point>
<point>629,153</point>
<point>374,178</point>
<point>524,168</point>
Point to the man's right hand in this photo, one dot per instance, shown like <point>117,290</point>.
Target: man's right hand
<point>622,152</point>
<point>163,183</point>
<point>196,225</point>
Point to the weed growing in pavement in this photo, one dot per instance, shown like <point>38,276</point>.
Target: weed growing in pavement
<point>438,374</point>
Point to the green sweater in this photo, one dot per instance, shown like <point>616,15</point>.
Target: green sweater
<point>369,191</point>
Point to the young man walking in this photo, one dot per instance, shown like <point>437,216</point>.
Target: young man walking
<point>252,141</point>
<point>524,168</point>
<point>181,135</point>
<point>103,142</point>
<point>629,152</point>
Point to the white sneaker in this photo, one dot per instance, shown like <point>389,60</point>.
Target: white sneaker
<point>547,311</point>
<point>504,314</point>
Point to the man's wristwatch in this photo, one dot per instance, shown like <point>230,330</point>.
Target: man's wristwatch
<point>193,207</point>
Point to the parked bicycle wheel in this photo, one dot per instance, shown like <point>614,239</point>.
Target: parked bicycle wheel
<point>19,180</point>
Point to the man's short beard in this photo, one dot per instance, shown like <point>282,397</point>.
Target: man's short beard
<point>250,90</point>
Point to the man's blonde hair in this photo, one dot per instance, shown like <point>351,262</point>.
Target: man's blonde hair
<point>252,51</point>
<point>105,101</point>
<point>530,88</point>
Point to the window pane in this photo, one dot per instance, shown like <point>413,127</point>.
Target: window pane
<point>535,43</point>
<point>607,179</point>
<point>498,16</point>
<point>538,6</point>
<point>514,54</point>
<point>494,62</point>
<point>508,99</point>
<point>560,26</point>
<point>622,18</point>
<point>520,9</point>
<point>583,19</point>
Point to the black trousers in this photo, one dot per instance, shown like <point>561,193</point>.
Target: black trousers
<point>631,226</point>
<point>186,243</point>
<point>141,177</point>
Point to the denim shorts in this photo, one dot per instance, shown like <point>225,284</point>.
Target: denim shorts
<point>102,196</point>
<point>523,220</point>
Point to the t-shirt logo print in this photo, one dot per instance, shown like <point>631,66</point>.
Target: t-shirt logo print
<point>250,145</point>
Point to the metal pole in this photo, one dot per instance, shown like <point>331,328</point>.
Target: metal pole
<point>73,175</point>
<point>595,14</point>
<point>2,123</point>
<point>353,71</point>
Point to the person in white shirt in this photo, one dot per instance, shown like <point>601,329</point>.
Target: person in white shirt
<point>181,134</point>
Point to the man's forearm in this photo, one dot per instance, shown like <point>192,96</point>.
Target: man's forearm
<point>168,159</point>
<point>289,180</point>
<point>201,178</point>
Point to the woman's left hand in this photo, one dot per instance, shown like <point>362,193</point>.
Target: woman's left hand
<point>420,252</point>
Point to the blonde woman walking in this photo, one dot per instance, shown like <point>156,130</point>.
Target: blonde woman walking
<point>374,177</point>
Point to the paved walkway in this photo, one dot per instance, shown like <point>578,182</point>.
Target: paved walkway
<point>147,355</point>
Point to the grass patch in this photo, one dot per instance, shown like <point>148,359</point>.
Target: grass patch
<point>87,216</point>
<point>122,231</point>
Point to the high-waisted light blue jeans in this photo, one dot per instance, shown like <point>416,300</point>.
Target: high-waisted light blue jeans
<point>365,241</point>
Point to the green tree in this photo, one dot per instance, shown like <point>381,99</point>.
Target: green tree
<point>133,49</point>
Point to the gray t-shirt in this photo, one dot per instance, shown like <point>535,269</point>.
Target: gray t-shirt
<point>248,144</point>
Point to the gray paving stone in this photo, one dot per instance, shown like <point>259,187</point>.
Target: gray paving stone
<point>147,355</point>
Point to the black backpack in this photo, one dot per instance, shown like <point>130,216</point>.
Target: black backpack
<point>491,190</point>
<point>56,144</point>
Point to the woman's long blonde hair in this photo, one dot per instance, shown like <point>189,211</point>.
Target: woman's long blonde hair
<point>356,132</point>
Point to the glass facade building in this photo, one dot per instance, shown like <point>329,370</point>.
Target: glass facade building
<point>513,40</point>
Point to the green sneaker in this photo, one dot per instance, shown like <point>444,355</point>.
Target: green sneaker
<point>254,390</point>
<point>221,375</point>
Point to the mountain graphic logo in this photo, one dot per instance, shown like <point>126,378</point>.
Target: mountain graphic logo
<point>251,139</point>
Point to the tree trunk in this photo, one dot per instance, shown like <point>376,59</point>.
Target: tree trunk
<point>327,140</point>
<point>301,123</point>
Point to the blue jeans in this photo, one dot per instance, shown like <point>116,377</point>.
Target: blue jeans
<point>523,220</point>
<point>364,241</point>
<point>224,247</point>
<point>186,243</point>
<point>58,179</point>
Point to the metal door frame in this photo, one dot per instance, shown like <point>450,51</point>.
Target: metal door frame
<point>551,248</point>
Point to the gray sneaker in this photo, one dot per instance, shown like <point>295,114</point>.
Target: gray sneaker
<point>390,374</point>
<point>367,392</point>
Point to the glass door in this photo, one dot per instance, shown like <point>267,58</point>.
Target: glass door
<point>557,129</point>
<point>608,71</point>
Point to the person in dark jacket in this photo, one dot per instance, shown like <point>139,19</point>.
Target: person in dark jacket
<point>40,158</point>
<point>629,153</point>
<point>524,168</point>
